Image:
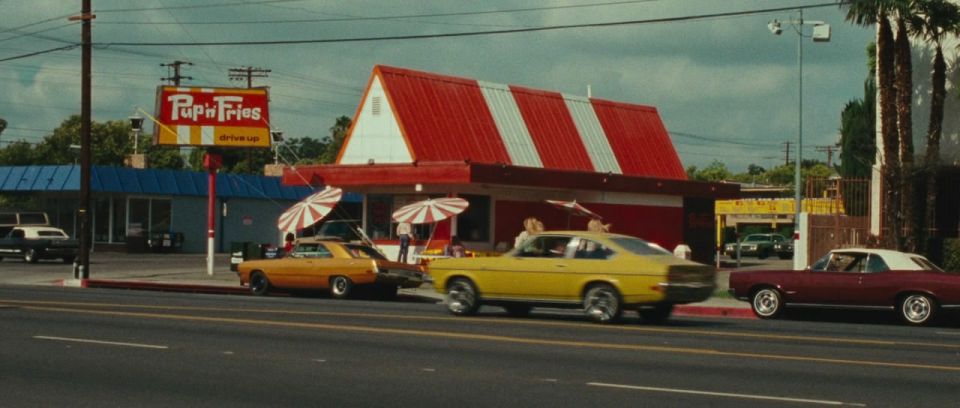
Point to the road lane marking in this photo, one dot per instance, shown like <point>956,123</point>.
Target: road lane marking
<point>726,394</point>
<point>521,322</point>
<point>103,342</point>
<point>501,339</point>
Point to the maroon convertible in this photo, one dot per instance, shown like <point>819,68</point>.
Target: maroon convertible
<point>854,278</point>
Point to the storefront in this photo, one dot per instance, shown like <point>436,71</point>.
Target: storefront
<point>506,149</point>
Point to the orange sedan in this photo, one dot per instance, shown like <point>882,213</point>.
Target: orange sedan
<point>337,266</point>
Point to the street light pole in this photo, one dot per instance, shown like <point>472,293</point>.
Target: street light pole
<point>797,196</point>
<point>821,33</point>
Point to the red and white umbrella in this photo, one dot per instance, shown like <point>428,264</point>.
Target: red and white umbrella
<point>574,208</point>
<point>429,211</point>
<point>309,210</point>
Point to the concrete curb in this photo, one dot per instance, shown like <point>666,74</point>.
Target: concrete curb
<point>714,311</point>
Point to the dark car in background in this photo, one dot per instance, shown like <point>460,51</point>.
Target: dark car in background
<point>758,245</point>
<point>784,249</point>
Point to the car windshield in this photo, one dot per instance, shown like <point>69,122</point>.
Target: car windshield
<point>363,251</point>
<point>756,238</point>
<point>51,233</point>
<point>639,246</point>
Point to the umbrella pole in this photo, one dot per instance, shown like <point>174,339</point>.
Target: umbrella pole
<point>433,227</point>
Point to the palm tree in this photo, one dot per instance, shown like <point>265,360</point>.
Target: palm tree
<point>868,13</point>
<point>933,21</point>
<point>903,83</point>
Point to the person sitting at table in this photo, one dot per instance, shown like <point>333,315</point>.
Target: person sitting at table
<point>455,249</point>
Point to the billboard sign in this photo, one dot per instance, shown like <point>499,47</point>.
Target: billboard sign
<point>216,117</point>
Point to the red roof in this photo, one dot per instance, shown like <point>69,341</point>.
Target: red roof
<point>443,118</point>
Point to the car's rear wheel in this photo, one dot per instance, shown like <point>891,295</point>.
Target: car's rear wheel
<point>917,309</point>
<point>340,287</point>
<point>259,284</point>
<point>518,310</point>
<point>602,303</point>
<point>462,297</point>
<point>658,313</point>
<point>767,303</point>
<point>30,256</point>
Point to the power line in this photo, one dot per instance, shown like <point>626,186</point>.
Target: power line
<point>196,6</point>
<point>21,56</point>
<point>398,17</point>
<point>472,33</point>
<point>740,142</point>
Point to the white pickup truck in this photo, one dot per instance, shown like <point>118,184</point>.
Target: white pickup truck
<point>36,243</point>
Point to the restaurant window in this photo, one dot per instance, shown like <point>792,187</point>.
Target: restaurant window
<point>379,209</point>
<point>474,223</point>
<point>148,215</point>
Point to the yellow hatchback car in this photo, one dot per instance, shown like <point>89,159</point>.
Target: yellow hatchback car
<point>602,273</point>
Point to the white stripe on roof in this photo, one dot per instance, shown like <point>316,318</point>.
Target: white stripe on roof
<point>594,139</point>
<point>510,124</point>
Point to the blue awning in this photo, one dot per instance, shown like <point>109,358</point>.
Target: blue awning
<point>109,179</point>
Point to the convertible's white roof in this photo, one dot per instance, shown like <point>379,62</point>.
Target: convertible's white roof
<point>896,260</point>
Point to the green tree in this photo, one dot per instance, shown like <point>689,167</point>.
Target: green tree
<point>934,20</point>
<point>110,142</point>
<point>306,150</point>
<point>18,154</point>
<point>164,157</point>
<point>3,125</point>
<point>857,129</point>
<point>338,132</point>
<point>903,74</point>
<point>716,171</point>
<point>867,13</point>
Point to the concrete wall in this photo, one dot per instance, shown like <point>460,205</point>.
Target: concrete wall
<point>245,220</point>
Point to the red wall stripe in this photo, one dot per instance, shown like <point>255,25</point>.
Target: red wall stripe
<point>639,140</point>
<point>552,129</point>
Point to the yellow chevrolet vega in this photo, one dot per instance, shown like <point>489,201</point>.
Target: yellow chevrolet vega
<point>337,266</point>
<point>602,273</point>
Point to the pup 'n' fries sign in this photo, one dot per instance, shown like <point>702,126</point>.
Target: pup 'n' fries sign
<point>220,117</point>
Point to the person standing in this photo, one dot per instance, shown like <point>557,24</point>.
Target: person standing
<point>456,248</point>
<point>404,233</point>
<point>531,226</point>
<point>288,243</point>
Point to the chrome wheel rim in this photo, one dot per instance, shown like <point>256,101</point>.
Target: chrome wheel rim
<point>916,308</point>
<point>460,298</point>
<point>258,283</point>
<point>766,302</point>
<point>602,305</point>
<point>339,285</point>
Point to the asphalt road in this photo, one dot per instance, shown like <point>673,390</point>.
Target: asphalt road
<point>73,347</point>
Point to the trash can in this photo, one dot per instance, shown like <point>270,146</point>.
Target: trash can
<point>238,253</point>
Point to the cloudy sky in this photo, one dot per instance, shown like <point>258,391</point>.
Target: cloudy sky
<point>725,87</point>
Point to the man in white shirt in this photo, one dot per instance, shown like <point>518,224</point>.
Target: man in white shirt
<point>404,232</point>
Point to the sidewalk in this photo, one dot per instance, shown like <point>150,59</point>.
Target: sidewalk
<point>188,273</point>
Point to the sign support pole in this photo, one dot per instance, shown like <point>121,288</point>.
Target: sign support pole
<point>212,161</point>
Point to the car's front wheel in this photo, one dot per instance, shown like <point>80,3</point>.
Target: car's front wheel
<point>462,298</point>
<point>259,284</point>
<point>340,287</point>
<point>767,303</point>
<point>917,309</point>
<point>602,303</point>
<point>30,256</point>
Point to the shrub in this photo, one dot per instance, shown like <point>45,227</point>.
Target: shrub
<point>951,254</point>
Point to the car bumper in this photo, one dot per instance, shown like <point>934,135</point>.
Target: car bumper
<point>401,277</point>
<point>687,292</point>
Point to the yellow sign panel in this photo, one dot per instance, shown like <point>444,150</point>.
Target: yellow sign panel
<point>784,206</point>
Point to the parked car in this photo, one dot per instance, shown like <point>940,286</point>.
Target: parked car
<point>36,243</point>
<point>602,273</point>
<point>323,264</point>
<point>758,245</point>
<point>784,249</point>
<point>854,278</point>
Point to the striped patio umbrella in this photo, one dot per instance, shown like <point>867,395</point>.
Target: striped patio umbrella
<point>309,210</point>
<point>574,208</point>
<point>430,211</point>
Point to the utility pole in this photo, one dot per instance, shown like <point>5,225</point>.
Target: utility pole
<point>247,73</point>
<point>176,77</point>
<point>829,149</point>
<point>81,269</point>
<point>786,150</point>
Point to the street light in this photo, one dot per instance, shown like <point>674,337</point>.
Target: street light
<point>820,33</point>
<point>276,137</point>
<point>136,124</point>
